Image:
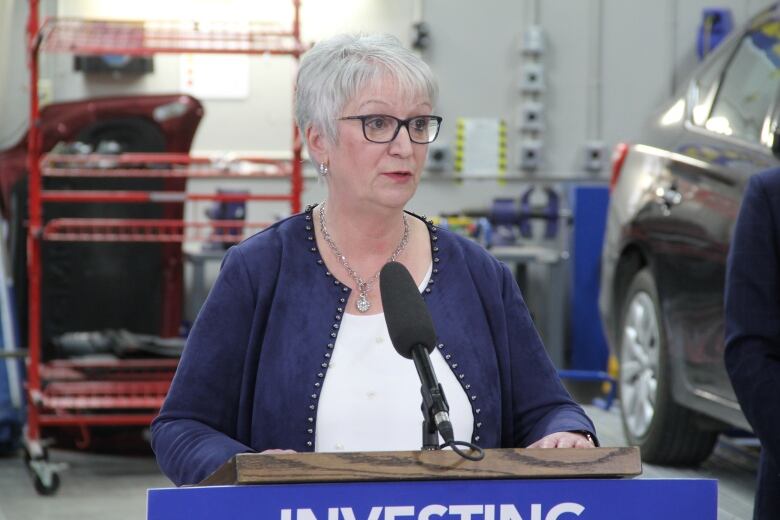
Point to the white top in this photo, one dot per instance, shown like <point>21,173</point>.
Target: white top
<point>370,399</point>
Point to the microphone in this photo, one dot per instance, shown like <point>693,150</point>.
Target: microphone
<point>411,330</point>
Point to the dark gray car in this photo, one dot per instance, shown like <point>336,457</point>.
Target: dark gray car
<point>674,202</point>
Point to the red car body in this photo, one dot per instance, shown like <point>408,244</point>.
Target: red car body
<point>96,286</point>
<point>67,122</point>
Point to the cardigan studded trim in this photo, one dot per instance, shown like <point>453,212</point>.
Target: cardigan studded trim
<point>251,373</point>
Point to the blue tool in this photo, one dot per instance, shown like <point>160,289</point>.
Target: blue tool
<point>716,24</point>
<point>228,210</point>
<point>550,213</point>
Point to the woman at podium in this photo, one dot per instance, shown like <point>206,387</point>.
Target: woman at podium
<point>290,351</point>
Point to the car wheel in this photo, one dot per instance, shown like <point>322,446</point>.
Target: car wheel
<point>666,432</point>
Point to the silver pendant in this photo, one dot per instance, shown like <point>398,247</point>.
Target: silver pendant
<point>362,303</point>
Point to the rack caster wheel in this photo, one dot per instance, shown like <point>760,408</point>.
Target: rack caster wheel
<point>46,478</point>
<point>47,488</point>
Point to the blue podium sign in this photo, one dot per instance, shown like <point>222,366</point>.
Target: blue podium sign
<point>554,499</point>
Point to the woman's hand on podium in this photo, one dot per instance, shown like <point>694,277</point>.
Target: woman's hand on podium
<point>276,452</point>
<point>564,440</point>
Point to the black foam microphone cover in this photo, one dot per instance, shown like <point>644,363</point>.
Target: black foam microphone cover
<point>408,320</point>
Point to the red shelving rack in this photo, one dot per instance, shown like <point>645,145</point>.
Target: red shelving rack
<point>85,393</point>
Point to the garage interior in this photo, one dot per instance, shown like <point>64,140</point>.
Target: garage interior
<point>542,102</point>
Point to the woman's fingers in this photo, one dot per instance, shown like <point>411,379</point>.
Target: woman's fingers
<point>563,440</point>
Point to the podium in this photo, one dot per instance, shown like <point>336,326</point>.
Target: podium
<point>509,484</point>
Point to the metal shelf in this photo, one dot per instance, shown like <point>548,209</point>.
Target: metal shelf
<point>92,395</point>
<point>153,196</point>
<point>102,392</point>
<point>148,37</point>
<point>147,230</point>
<point>105,368</point>
<point>86,393</point>
<point>163,165</point>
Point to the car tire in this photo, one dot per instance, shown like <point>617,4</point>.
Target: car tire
<point>666,432</point>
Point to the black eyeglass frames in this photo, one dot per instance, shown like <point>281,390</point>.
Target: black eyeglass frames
<point>381,128</point>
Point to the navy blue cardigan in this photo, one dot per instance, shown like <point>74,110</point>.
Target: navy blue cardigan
<point>257,356</point>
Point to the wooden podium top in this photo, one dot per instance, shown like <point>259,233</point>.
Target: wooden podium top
<point>255,468</point>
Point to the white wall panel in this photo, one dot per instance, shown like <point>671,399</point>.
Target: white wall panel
<point>13,76</point>
<point>474,53</point>
<point>637,73</point>
<point>566,25</point>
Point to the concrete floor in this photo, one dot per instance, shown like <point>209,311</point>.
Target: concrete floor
<point>110,486</point>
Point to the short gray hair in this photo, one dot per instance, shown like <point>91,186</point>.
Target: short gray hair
<point>333,71</point>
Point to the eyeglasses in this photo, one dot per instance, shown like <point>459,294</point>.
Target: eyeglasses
<point>381,128</point>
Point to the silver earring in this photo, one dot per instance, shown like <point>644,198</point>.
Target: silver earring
<point>324,169</point>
